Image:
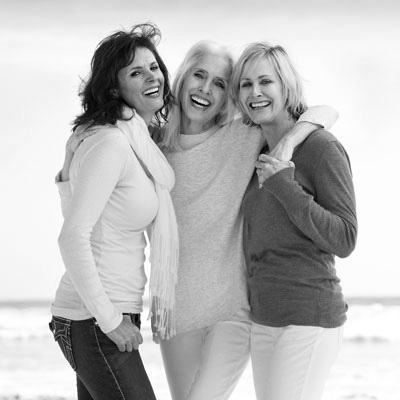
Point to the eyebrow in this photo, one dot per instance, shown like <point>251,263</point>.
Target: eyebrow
<point>135,67</point>
<point>258,77</point>
<point>206,72</point>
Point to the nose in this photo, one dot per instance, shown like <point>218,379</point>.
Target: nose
<point>256,90</point>
<point>150,76</point>
<point>206,87</point>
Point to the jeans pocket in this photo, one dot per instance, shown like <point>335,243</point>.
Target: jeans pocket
<point>61,329</point>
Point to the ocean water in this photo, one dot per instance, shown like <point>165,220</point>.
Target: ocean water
<point>368,367</point>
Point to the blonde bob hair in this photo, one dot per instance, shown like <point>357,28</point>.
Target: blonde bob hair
<point>198,51</point>
<point>291,82</point>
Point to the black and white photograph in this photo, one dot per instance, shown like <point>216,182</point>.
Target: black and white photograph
<point>200,200</point>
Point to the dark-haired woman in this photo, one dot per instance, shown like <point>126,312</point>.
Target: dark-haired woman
<point>120,184</point>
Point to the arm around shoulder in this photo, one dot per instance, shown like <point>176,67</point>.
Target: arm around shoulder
<point>321,116</point>
<point>312,119</point>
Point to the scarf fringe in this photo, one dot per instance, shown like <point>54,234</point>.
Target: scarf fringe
<point>163,279</point>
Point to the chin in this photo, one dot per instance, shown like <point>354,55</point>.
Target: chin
<point>261,119</point>
<point>157,105</point>
<point>257,121</point>
<point>196,115</point>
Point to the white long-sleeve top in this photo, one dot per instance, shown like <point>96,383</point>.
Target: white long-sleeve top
<point>107,205</point>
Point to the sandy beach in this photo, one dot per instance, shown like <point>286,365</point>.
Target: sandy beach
<point>364,371</point>
<point>368,367</point>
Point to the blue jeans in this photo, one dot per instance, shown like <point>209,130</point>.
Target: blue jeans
<point>102,371</point>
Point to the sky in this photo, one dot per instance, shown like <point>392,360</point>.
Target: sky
<point>347,52</point>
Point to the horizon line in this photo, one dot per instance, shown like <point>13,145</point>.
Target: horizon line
<point>356,299</point>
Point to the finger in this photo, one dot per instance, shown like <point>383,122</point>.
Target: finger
<point>135,342</point>
<point>79,129</point>
<point>265,169</point>
<point>139,338</point>
<point>156,338</point>
<point>261,165</point>
<point>121,347</point>
<point>86,133</point>
<point>268,161</point>
<point>129,346</point>
<point>265,158</point>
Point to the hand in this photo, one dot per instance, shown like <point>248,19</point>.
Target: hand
<point>78,136</point>
<point>126,336</point>
<point>266,166</point>
<point>156,335</point>
<point>72,144</point>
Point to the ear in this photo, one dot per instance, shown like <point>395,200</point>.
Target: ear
<point>114,93</point>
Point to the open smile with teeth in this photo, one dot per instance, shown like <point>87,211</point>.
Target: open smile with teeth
<point>257,105</point>
<point>199,102</point>
<point>152,92</point>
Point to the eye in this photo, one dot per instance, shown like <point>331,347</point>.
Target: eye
<point>265,81</point>
<point>220,84</point>
<point>245,84</point>
<point>198,74</point>
<point>135,73</point>
<point>155,67</point>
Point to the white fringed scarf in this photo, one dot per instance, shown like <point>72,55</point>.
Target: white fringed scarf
<point>164,240</point>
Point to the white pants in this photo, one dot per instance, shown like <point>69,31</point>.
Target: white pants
<point>206,364</point>
<point>292,363</point>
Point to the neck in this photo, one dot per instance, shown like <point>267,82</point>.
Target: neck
<point>274,131</point>
<point>147,118</point>
<point>189,127</point>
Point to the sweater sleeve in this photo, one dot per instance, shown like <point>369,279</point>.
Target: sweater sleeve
<point>329,219</point>
<point>324,116</point>
<point>99,172</point>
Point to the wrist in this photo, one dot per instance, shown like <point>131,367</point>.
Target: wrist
<point>300,132</point>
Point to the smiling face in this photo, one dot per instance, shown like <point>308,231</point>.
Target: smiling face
<point>141,84</point>
<point>261,93</point>
<point>204,91</point>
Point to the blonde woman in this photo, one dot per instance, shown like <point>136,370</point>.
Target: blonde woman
<point>298,215</point>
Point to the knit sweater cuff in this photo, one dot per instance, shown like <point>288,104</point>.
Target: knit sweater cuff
<point>280,184</point>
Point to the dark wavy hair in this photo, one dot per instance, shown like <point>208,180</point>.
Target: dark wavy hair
<point>100,103</point>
